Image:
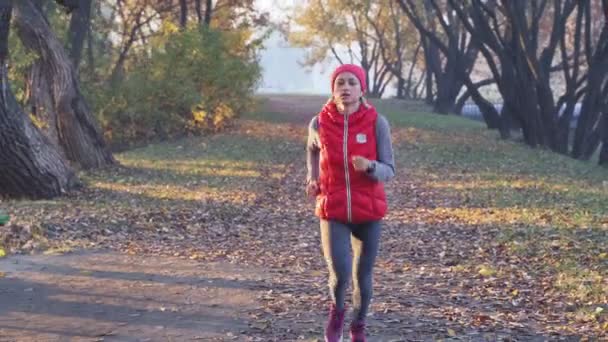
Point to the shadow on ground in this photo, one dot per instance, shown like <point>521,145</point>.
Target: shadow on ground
<point>99,296</point>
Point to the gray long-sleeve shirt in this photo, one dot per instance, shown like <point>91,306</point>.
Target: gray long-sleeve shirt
<point>385,165</point>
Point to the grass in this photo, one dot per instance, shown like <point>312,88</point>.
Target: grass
<point>552,210</point>
<point>214,176</point>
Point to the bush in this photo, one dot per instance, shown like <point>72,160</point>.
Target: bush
<point>189,81</point>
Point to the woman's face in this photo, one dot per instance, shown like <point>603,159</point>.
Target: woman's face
<point>347,89</point>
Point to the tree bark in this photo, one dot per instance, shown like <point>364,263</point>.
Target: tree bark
<point>77,32</point>
<point>410,91</point>
<point>585,136</point>
<point>183,13</point>
<point>391,67</point>
<point>208,12</point>
<point>41,103</point>
<point>78,134</point>
<point>467,94</point>
<point>29,165</point>
<point>489,113</point>
<point>603,159</point>
<point>524,76</point>
<point>199,11</point>
<point>459,55</point>
<point>428,72</point>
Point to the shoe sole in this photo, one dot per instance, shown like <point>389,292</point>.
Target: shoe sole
<point>340,340</point>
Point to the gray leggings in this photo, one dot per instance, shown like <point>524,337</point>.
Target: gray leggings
<point>336,238</point>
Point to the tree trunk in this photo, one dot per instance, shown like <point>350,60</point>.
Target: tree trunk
<point>603,160</point>
<point>415,93</point>
<point>448,83</point>
<point>443,104</point>
<point>77,32</point>
<point>462,100</point>
<point>41,103</point>
<point>90,52</point>
<point>428,79</point>
<point>591,107</point>
<point>489,113</point>
<point>459,55</point>
<point>29,165</point>
<point>199,11</point>
<point>400,88</point>
<point>79,136</point>
<point>467,94</point>
<point>589,116</point>
<point>448,88</point>
<point>208,12</point>
<point>183,13</point>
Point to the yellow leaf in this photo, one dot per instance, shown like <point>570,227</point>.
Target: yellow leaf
<point>451,332</point>
<point>603,255</point>
<point>2,253</point>
<point>515,292</point>
<point>486,271</point>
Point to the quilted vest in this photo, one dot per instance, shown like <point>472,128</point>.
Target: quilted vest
<point>347,195</point>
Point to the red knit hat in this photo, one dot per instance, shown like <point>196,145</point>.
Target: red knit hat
<point>355,69</point>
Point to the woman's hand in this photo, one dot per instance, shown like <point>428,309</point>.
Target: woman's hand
<point>361,163</point>
<point>312,188</point>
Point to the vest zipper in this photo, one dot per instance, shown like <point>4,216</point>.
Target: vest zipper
<point>347,176</point>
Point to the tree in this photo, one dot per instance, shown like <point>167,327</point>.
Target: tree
<point>133,23</point>
<point>208,11</point>
<point>592,121</point>
<point>459,52</point>
<point>603,158</point>
<point>63,106</point>
<point>397,47</point>
<point>79,26</point>
<point>130,23</point>
<point>523,69</point>
<point>30,166</point>
<point>513,57</point>
<point>329,26</point>
<point>183,17</point>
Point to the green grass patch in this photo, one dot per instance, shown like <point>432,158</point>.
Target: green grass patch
<point>550,208</point>
<point>164,186</point>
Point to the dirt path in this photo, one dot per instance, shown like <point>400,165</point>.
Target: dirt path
<point>203,245</point>
<point>108,296</point>
<point>136,290</point>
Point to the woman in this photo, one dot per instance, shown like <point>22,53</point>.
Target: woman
<point>349,157</point>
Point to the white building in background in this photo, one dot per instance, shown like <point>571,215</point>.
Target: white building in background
<point>282,72</point>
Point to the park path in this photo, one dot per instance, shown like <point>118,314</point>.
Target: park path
<point>247,266</point>
<point>111,296</point>
<point>119,292</point>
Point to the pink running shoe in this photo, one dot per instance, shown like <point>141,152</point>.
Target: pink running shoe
<point>335,325</point>
<point>357,332</point>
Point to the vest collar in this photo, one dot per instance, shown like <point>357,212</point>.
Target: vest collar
<point>332,112</point>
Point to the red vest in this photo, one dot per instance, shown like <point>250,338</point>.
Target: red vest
<point>348,195</point>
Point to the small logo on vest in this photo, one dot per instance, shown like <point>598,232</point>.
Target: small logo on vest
<point>361,138</point>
